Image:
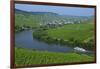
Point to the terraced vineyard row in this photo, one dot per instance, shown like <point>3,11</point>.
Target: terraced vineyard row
<point>29,57</point>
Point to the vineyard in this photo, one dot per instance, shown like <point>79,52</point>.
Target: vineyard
<point>33,57</point>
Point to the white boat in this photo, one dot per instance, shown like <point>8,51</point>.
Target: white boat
<point>79,49</point>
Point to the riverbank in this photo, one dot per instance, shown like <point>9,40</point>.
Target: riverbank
<point>33,57</point>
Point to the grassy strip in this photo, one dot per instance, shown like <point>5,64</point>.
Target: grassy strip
<point>34,57</point>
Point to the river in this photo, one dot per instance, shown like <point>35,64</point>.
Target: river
<point>25,39</point>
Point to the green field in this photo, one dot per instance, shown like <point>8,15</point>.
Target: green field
<point>34,57</point>
<point>80,32</point>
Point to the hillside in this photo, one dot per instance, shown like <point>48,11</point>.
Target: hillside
<point>36,19</point>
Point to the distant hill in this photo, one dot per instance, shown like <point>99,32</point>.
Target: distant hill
<point>34,13</point>
<point>35,19</point>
